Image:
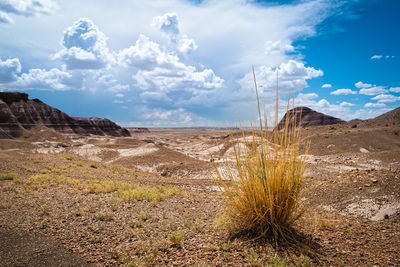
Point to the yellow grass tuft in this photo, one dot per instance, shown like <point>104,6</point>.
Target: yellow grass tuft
<point>262,189</point>
<point>8,176</point>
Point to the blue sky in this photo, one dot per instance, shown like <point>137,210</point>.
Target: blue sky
<point>188,63</point>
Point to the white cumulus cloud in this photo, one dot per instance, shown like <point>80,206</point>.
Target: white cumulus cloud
<point>160,70</point>
<point>277,47</point>
<point>346,104</point>
<point>344,91</point>
<point>327,85</point>
<point>9,70</point>
<point>384,98</point>
<point>53,79</point>
<point>375,105</point>
<point>168,24</point>
<point>84,47</point>
<point>373,90</point>
<point>360,84</point>
<point>395,89</point>
<point>292,76</point>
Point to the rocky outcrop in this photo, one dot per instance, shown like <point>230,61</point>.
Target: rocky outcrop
<point>18,113</point>
<point>307,117</point>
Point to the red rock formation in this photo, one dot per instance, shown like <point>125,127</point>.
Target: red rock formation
<point>17,113</point>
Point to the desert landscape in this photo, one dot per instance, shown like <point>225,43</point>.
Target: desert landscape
<point>86,192</point>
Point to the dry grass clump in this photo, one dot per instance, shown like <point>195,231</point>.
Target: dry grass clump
<point>8,176</point>
<point>123,191</point>
<point>264,185</point>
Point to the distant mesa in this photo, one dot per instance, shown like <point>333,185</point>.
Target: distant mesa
<point>18,113</point>
<point>307,118</point>
<point>137,129</point>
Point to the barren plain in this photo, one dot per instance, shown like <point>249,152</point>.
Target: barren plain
<point>150,199</point>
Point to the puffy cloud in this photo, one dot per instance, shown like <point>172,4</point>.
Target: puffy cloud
<point>161,70</point>
<point>395,89</point>
<point>28,7</point>
<point>346,104</point>
<point>9,70</point>
<point>292,76</point>
<point>383,98</point>
<point>277,47</point>
<point>343,92</point>
<point>186,45</point>
<point>168,24</point>
<point>327,85</point>
<point>373,90</point>
<point>53,79</point>
<point>375,105</point>
<point>119,95</point>
<point>147,55</point>
<point>84,47</point>
<point>376,56</point>
<point>360,84</point>
<point>4,18</point>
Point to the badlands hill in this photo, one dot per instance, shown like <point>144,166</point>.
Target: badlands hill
<point>308,117</point>
<point>19,114</point>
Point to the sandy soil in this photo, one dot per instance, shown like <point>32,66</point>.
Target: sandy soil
<point>351,191</point>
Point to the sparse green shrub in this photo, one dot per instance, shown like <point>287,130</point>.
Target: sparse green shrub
<point>8,176</point>
<point>176,238</point>
<point>105,216</point>
<point>276,261</point>
<point>264,185</point>
<point>303,261</point>
<point>40,178</point>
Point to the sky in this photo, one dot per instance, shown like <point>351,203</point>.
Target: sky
<point>187,63</point>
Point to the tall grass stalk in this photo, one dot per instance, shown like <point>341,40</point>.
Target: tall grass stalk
<point>262,189</point>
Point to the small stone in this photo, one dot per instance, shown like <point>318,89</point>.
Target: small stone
<point>386,217</point>
<point>367,185</point>
<point>374,181</point>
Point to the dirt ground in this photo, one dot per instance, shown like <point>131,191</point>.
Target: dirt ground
<point>150,200</point>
